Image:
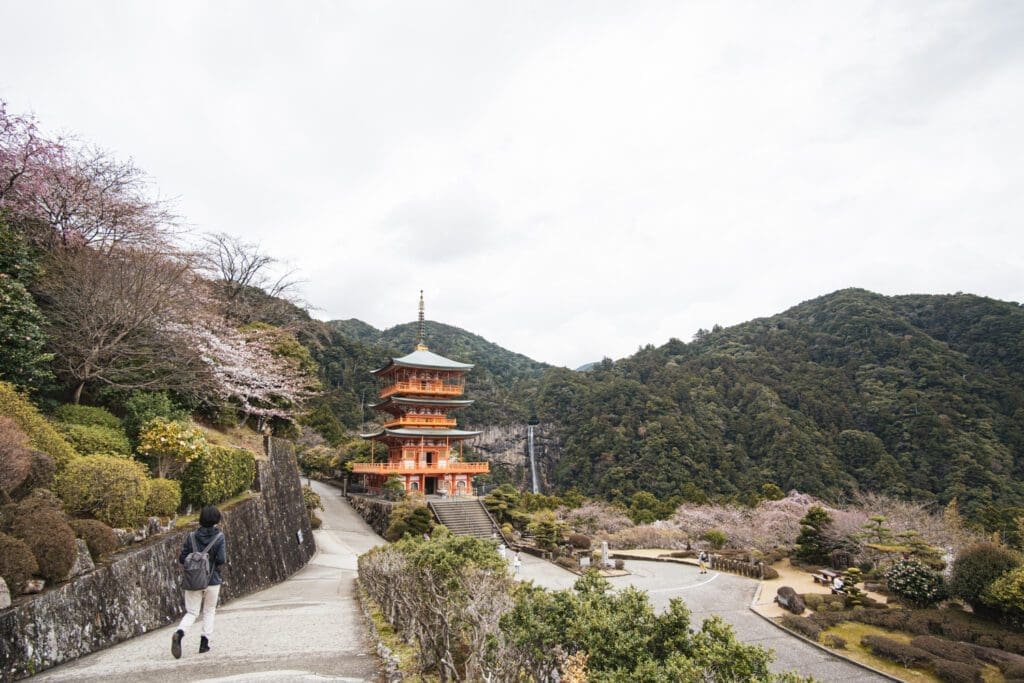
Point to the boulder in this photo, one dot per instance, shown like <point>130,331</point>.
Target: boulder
<point>790,599</point>
<point>83,561</point>
<point>5,595</point>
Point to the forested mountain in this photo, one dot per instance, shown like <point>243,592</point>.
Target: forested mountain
<point>917,396</point>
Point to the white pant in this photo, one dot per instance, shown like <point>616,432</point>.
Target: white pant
<point>207,599</point>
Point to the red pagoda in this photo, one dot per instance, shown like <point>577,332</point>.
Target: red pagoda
<point>424,448</point>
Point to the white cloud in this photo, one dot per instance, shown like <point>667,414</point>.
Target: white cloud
<point>570,180</point>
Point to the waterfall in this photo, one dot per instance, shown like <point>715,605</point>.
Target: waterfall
<point>533,460</point>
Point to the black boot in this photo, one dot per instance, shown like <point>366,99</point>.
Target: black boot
<point>176,643</point>
<point>204,644</point>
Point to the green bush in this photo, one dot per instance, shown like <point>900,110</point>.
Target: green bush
<point>93,439</point>
<point>111,489</point>
<point>976,567</point>
<point>52,541</point>
<point>17,563</point>
<point>42,435</point>
<point>164,498</point>
<point>86,415</point>
<point>1006,595</point>
<point>171,446</point>
<point>580,541</point>
<point>319,461</point>
<point>143,406</point>
<point>216,475</point>
<point>98,536</point>
<point>715,537</point>
<point>915,582</point>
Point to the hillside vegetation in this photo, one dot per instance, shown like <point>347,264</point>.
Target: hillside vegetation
<point>915,396</point>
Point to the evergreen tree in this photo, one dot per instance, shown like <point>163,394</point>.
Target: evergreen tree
<point>23,359</point>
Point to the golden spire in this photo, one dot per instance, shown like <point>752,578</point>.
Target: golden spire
<point>420,346</point>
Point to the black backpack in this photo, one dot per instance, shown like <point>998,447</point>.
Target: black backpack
<point>197,568</point>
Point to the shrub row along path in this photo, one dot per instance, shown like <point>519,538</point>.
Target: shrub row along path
<point>711,594</point>
<point>307,628</point>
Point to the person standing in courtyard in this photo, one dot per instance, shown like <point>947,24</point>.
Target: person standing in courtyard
<point>207,540</point>
<point>702,560</point>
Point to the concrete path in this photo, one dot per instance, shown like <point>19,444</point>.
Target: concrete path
<point>710,594</point>
<point>308,628</point>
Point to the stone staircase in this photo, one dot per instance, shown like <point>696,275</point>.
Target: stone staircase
<point>466,518</point>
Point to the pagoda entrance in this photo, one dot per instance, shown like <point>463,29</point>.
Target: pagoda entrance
<point>430,485</point>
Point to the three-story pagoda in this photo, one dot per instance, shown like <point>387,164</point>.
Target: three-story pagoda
<point>424,447</point>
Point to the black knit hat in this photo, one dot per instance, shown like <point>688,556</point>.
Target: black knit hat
<point>209,516</point>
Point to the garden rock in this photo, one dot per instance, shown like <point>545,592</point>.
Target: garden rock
<point>789,599</point>
<point>5,595</point>
<point>83,561</point>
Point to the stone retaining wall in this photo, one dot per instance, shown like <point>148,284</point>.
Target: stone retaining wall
<point>376,512</point>
<point>269,539</point>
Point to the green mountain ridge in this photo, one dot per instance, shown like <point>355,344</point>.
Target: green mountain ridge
<point>917,396</point>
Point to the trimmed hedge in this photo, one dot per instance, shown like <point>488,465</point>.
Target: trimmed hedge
<point>41,433</point>
<point>51,539</point>
<point>216,475</point>
<point>580,541</point>
<point>40,475</point>
<point>895,651</point>
<point>804,627</point>
<point>113,490</point>
<point>93,439</point>
<point>833,641</point>
<point>86,415</point>
<point>15,456</point>
<point>164,498</point>
<point>947,649</point>
<point>17,563</point>
<point>98,536</point>
<point>957,672</point>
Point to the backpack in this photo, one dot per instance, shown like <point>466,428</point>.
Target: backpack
<point>197,568</point>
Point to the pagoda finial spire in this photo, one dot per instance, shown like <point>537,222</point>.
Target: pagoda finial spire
<point>420,346</point>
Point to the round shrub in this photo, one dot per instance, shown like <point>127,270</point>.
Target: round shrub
<point>98,536</point>
<point>111,489</point>
<point>216,475</point>
<point>42,435</point>
<point>164,498</point>
<point>51,539</point>
<point>144,406</point>
<point>171,446</point>
<point>956,672</point>
<point>1006,595</point>
<point>579,541</point>
<point>17,563</point>
<point>976,567</point>
<point>314,520</point>
<point>40,475</point>
<point>86,415</point>
<point>804,627</point>
<point>715,537</point>
<point>834,641</point>
<point>770,573</point>
<point>915,582</point>
<point>15,456</point>
<point>92,439</point>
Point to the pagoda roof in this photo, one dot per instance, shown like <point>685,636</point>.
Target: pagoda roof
<point>421,358</point>
<point>407,401</point>
<point>433,433</point>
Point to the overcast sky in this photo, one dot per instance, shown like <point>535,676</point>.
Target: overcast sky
<point>570,180</point>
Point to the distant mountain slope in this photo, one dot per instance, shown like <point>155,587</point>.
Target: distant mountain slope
<point>501,383</point>
<point>917,396</point>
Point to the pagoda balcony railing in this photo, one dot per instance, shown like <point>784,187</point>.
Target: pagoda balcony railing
<point>421,421</point>
<point>410,467</point>
<point>422,387</point>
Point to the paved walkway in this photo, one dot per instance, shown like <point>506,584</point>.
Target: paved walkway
<point>714,593</point>
<point>308,628</point>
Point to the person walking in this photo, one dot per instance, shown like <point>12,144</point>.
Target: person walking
<point>209,539</point>
<point>518,564</point>
<point>702,560</point>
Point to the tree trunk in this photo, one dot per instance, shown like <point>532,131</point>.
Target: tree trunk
<point>77,396</point>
